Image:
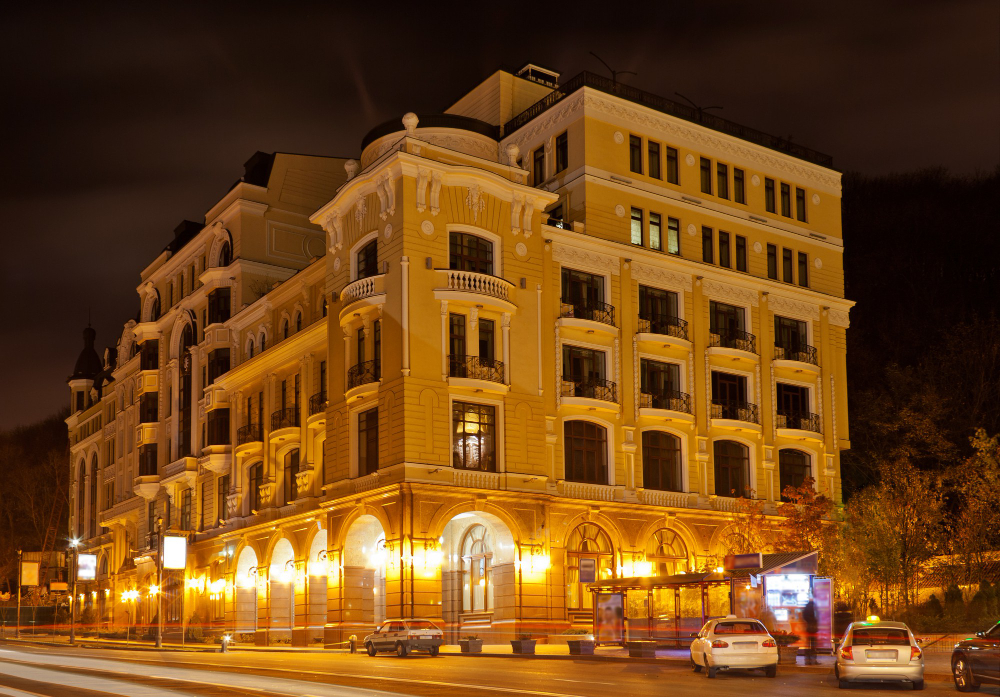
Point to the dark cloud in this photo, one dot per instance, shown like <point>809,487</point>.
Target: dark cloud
<point>119,121</point>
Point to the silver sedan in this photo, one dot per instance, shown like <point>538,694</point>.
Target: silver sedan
<point>877,651</point>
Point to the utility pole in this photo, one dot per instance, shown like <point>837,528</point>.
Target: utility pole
<point>159,582</point>
<point>74,543</point>
<point>17,630</point>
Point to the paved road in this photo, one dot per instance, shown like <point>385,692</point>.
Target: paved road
<point>58,672</point>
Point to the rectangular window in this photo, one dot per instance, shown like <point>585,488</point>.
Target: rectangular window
<point>800,204</point>
<point>655,236</point>
<point>562,152</point>
<point>637,226</point>
<point>368,442</point>
<point>791,337</point>
<point>635,154</point>
<point>203,522</point>
<point>377,347</point>
<point>660,384</point>
<point>218,306</point>
<point>772,262</point>
<point>658,307</point>
<point>672,170</point>
<point>724,249</point>
<point>474,426</point>
<point>360,348</point>
<point>582,364</point>
<point>456,335</point>
<point>803,269</point>
<point>586,452</point>
<point>769,195</point>
<point>222,511</point>
<point>786,200</point>
<point>739,186</point>
<point>487,340</point>
<point>707,253</point>
<point>786,266</point>
<point>722,179</point>
<point>725,319</point>
<point>706,176</point>
<point>741,253</point>
<point>653,153</point>
<point>291,469</point>
<point>673,235</point>
<point>584,291</point>
<point>186,510</point>
<point>538,166</point>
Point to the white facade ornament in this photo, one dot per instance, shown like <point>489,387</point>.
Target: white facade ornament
<point>423,176</point>
<point>521,249</point>
<point>692,230</point>
<point>512,154</point>
<point>334,228</point>
<point>727,291</point>
<point>515,213</point>
<point>660,276</point>
<point>757,247</point>
<point>360,208</point>
<point>620,210</point>
<point>427,227</point>
<point>336,264</point>
<point>475,201</point>
<point>586,260</point>
<point>473,318</point>
<point>690,160</point>
<point>619,138</point>
<point>840,318</point>
<point>755,180</point>
<point>351,167</point>
<point>529,212</point>
<point>818,263</point>
<point>388,230</point>
<point>794,307</point>
<point>410,121</point>
<point>815,199</point>
<point>435,193</point>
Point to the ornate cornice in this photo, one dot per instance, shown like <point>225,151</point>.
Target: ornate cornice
<point>605,263</point>
<point>795,307</point>
<point>661,276</point>
<point>840,318</point>
<point>730,292</point>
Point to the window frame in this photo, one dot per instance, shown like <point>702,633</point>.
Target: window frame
<point>459,258</point>
<point>722,180</point>
<point>770,202</point>
<point>772,261</point>
<point>495,462</point>
<point>741,253</point>
<point>787,266</point>
<point>560,152</point>
<point>603,448</point>
<point>655,221</point>
<point>803,279</point>
<point>748,471</point>
<point>673,236</point>
<point>647,461</point>
<point>706,175</point>
<point>635,225</point>
<point>725,251</point>
<point>635,154</point>
<point>739,186</point>
<point>786,200</point>
<point>707,245</point>
<point>653,159</point>
<point>800,204</point>
<point>538,166</point>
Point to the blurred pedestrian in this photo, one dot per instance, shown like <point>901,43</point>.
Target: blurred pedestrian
<point>812,628</point>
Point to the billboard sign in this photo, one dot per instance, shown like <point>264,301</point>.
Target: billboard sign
<point>174,552</point>
<point>609,625</point>
<point>29,573</point>
<point>86,567</point>
<point>743,561</point>
<point>588,570</point>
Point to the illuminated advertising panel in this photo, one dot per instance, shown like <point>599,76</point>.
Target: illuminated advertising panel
<point>174,552</point>
<point>86,567</point>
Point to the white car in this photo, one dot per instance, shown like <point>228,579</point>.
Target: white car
<point>734,643</point>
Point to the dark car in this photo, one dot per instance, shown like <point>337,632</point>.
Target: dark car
<point>403,636</point>
<point>976,660</point>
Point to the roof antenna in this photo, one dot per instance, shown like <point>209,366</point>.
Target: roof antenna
<point>614,73</point>
<point>700,110</point>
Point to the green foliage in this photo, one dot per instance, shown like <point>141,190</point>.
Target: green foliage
<point>195,630</point>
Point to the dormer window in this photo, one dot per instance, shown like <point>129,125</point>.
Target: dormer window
<point>368,260</point>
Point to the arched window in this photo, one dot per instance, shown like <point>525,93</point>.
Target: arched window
<point>255,477</point>
<point>185,396</point>
<point>586,452</point>
<point>667,552</point>
<point>263,342</point>
<point>226,254</point>
<point>661,461</point>
<point>589,557</point>
<point>468,252</point>
<point>154,311</point>
<point>732,468</point>
<point>291,469</point>
<point>284,329</point>
<point>298,322</point>
<point>477,573</point>
<point>794,467</point>
<point>250,348</point>
<point>367,259</point>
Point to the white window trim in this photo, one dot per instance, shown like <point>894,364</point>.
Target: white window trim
<point>662,286</point>
<point>660,359</point>
<point>811,386</point>
<point>490,237</point>
<point>752,454</point>
<point>594,271</point>
<point>353,255</point>
<point>606,350</point>
<point>748,374</point>
<point>612,453</point>
<point>798,318</point>
<point>813,465</point>
<point>499,437</point>
<point>684,452</point>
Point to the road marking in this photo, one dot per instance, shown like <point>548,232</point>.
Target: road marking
<point>589,682</point>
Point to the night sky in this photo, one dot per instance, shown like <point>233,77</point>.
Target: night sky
<point>118,123</point>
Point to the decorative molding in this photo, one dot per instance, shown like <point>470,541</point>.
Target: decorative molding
<point>475,201</point>
<point>435,202</point>
<point>422,178</point>
<point>692,229</point>
<point>619,138</point>
<point>515,212</point>
<point>708,390</point>
<point>427,227</point>
<point>529,211</point>
<point>755,180</point>
<point>757,386</point>
<point>360,208</point>
<point>333,226</point>
<point>689,160</point>
<point>731,292</point>
<point>774,403</point>
<point>385,187</point>
<point>815,199</point>
<point>656,274</point>
<point>757,248</point>
<point>521,249</point>
<point>388,230</point>
<point>604,263</point>
<point>336,264</point>
<point>840,318</point>
<point>778,303</point>
<point>620,210</point>
<point>833,411</point>
<point>635,374</point>
<point>818,263</point>
<point>548,120</point>
<point>558,368</point>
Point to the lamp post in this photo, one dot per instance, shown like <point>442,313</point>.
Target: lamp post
<point>159,582</point>
<point>74,544</point>
<point>17,630</point>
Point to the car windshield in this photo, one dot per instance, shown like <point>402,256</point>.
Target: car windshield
<point>748,627</point>
<point>880,636</point>
<point>422,624</point>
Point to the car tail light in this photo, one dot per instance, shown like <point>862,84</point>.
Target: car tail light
<point>720,644</point>
<point>847,652</point>
<point>769,644</point>
<point>914,652</point>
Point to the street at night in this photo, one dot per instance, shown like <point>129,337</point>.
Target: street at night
<point>92,672</point>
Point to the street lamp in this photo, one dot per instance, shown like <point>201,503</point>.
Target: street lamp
<point>159,582</point>
<point>75,545</point>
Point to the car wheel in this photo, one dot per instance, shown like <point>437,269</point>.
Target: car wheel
<point>400,649</point>
<point>697,668</point>
<point>918,684</point>
<point>434,650</point>
<point>371,649</point>
<point>771,671</point>
<point>964,681</point>
<point>712,672</point>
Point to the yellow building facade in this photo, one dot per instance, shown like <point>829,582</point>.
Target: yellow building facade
<point>546,337</point>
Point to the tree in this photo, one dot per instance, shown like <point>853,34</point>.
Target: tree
<point>974,530</point>
<point>748,530</point>
<point>804,512</point>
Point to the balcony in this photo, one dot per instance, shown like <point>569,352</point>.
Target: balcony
<point>666,401</point>
<point>251,433</point>
<point>476,368</point>
<point>801,424</point>
<point>734,413</point>
<point>664,325</point>
<point>363,374</point>
<point>317,403</point>
<point>482,289</point>
<point>284,418</point>
<point>800,359</point>
<point>363,288</point>
<point>593,311</point>
<point>733,339</point>
<point>593,393</point>
<point>590,492</point>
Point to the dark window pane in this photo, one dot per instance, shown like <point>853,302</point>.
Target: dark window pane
<point>739,186</point>
<point>800,204</point>
<point>706,176</point>
<point>732,468</point>
<point>367,263</point>
<point>803,269</point>
<point>661,461</point>
<point>793,469</point>
<point>786,266</point>
<point>769,195</point>
<point>586,452</point>
<point>467,252</point>
<point>562,152</point>
<point>538,167</point>
<point>672,171</point>
<point>772,262</point>
<point>724,249</point>
<point>722,179</point>
<point>653,153</point>
<point>786,200</point>
<point>707,253</point>
<point>741,253</point>
<point>635,154</point>
<point>367,442</point>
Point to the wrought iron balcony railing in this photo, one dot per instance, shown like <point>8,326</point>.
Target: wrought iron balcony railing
<point>317,403</point>
<point>804,354</point>
<point>363,373</point>
<point>664,324</point>
<point>475,368</point>
<point>250,433</point>
<point>737,411</point>
<point>285,418</point>
<point>734,339</point>
<point>801,420</point>
<point>594,310</point>
<point>592,388</point>
<point>668,399</point>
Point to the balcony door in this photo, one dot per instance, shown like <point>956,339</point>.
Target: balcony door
<point>790,334</point>
<point>660,379</point>
<point>792,399</point>
<point>582,365</point>
<point>728,388</point>
<point>468,252</point>
<point>726,319</point>
<point>582,289</point>
<point>367,260</point>
<point>657,305</point>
